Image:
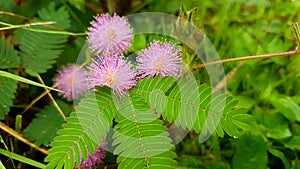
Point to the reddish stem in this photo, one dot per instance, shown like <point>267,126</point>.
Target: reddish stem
<point>247,58</point>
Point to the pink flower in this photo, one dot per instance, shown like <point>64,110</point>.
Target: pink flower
<point>112,71</point>
<point>109,34</point>
<point>72,81</point>
<point>159,58</point>
<point>93,160</point>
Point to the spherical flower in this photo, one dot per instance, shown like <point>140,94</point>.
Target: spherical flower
<point>112,71</point>
<point>159,58</point>
<point>72,81</point>
<point>94,159</point>
<point>109,34</point>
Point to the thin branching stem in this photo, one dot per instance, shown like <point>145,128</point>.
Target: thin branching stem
<point>6,148</point>
<point>281,54</point>
<point>28,27</point>
<point>45,92</point>
<point>55,32</point>
<point>227,78</point>
<point>53,100</point>
<point>36,99</point>
<point>24,26</point>
<point>14,15</point>
<point>21,138</point>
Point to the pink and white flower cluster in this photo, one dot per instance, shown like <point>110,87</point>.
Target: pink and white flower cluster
<point>109,38</point>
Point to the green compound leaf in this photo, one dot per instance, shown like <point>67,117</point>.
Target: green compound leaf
<point>7,89</point>
<point>43,128</point>
<point>83,131</point>
<point>141,136</point>
<point>142,140</point>
<point>8,56</point>
<point>194,107</point>
<point>39,50</point>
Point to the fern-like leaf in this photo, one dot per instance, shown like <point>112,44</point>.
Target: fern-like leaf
<point>8,6</point>
<point>43,128</point>
<point>142,140</point>
<point>8,56</point>
<point>194,107</point>
<point>83,131</point>
<point>7,90</point>
<point>39,50</point>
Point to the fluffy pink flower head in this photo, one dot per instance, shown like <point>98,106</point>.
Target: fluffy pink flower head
<point>72,81</point>
<point>159,58</point>
<point>109,34</point>
<point>112,71</point>
<point>93,160</point>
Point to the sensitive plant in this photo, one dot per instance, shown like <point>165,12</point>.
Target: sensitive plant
<point>140,138</point>
<point>142,119</point>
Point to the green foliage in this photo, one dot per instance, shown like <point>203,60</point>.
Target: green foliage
<point>66,146</point>
<point>8,86</point>
<point>8,56</point>
<point>6,6</point>
<point>83,131</point>
<point>280,155</point>
<point>24,80</point>
<point>294,143</point>
<point>190,162</point>
<point>287,107</point>
<point>272,123</point>
<point>8,59</point>
<point>43,128</point>
<point>251,153</point>
<point>197,109</point>
<point>79,4</point>
<point>7,89</point>
<point>21,158</point>
<point>268,90</point>
<point>39,50</point>
<point>142,141</point>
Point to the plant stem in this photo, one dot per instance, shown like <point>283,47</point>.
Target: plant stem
<point>36,99</point>
<point>229,76</point>
<point>21,138</point>
<point>14,15</point>
<point>6,148</point>
<point>53,100</point>
<point>247,58</point>
<point>45,92</point>
<point>27,27</point>
<point>10,26</point>
<point>55,32</point>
